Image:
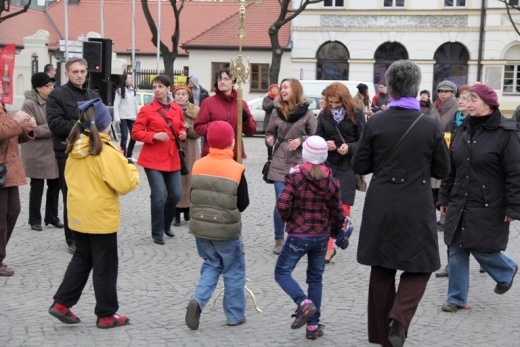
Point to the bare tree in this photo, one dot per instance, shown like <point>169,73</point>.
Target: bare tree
<point>168,56</point>
<point>4,7</point>
<point>509,7</point>
<point>286,15</point>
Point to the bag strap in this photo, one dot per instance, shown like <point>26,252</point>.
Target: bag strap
<point>339,133</point>
<point>162,113</point>
<point>397,144</point>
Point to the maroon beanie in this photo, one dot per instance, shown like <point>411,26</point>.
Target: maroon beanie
<point>486,93</point>
<point>220,134</point>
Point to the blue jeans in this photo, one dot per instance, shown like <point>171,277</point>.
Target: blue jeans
<point>126,127</point>
<point>222,257</point>
<point>166,191</point>
<point>279,224</point>
<point>499,266</point>
<point>293,250</point>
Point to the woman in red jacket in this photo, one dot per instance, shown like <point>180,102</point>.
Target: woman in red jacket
<point>155,125</point>
<point>223,106</point>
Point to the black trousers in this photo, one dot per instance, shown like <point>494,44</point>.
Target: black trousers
<point>385,303</point>
<point>9,211</point>
<point>51,201</point>
<point>96,252</point>
<point>69,238</point>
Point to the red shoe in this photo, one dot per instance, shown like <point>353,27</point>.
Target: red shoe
<point>63,313</point>
<point>5,271</point>
<point>112,321</point>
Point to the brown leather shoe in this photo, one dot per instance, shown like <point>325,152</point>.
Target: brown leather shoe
<point>5,271</point>
<point>449,307</point>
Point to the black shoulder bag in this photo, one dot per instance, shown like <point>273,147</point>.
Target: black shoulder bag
<point>182,156</point>
<point>397,145</point>
<point>3,167</point>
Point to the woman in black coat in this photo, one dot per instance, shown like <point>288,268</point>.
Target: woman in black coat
<point>341,124</point>
<point>481,196</point>
<point>398,229</point>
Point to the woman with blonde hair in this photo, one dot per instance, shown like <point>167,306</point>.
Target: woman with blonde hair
<point>341,124</point>
<point>290,124</point>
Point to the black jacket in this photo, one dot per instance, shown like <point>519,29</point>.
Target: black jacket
<point>398,229</point>
<point>484,184</point>
<point>341,165</point>
<point>62,113</point>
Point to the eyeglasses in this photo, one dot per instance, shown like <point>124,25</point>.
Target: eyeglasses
<point>462,98</point>
<point>224,79</point>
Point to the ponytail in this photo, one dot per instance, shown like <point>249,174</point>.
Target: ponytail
<point>86,125</point>
<point>316,172</point>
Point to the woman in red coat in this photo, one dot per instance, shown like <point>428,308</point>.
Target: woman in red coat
<point>13,130</point>
<point>160,155</point>
<point>223,106</point>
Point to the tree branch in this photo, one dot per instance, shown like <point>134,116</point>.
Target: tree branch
<point>24,9</point>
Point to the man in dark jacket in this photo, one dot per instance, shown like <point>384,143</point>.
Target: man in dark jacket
<point>62,114</point>
<point>381,99</point>
<point>198,93</point>
<point>481,196</point>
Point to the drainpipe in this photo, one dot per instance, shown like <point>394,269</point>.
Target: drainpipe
<point>481,39</point>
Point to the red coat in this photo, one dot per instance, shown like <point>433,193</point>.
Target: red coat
<point>11,132</point>
<point>223,107</point>
<point>158,155</point>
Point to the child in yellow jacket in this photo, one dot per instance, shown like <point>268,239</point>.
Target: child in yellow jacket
<point>96,174</point>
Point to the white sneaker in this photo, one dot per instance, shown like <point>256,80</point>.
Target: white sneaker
<point>132,159</point>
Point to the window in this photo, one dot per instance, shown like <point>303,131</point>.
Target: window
<point>259,80</point>
<point>393,3</point>
<point>451,63</point>
<point>454,3</point>
<point>512,79</point>
<point>332,62</point>
<point>513,2</point>
<point>334,3</point>
<point>385,55</point>
<point>216,67</point>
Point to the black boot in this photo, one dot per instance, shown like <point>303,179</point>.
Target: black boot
<point>177,221</point>
<point>446,271</point>
<point>187,214</point>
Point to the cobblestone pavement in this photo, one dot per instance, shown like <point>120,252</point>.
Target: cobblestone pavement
<point>155,283</point>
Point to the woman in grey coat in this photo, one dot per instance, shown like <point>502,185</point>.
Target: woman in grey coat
<point>481,196</point>
<point>290,124</point>
<point>398,227</point>
<point>38,157</point>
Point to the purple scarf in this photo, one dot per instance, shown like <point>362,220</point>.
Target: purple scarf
<point>406,102</point>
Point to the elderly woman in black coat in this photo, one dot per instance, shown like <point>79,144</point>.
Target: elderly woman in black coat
<point>481,196</point>
<point>398,229</point>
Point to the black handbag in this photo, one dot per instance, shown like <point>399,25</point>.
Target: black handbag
<point>182,156</point>
<point>3,167</point>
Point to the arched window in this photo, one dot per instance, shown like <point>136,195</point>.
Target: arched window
<point>332,62</point>
<point>512,70</point>
<point>451,63</point>
<point>385,55</point>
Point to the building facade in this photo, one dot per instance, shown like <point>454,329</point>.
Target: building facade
<point>460,40</point>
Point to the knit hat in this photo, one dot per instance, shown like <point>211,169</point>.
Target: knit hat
<point>220,134</point>
<point>181,87</point>
<point>447,85</point>
<point>427,92</point>
<point>103,117</point>
<point>362,87</point>
<point>486,93</point>
<point>315,150</point>
<point>41,79</point>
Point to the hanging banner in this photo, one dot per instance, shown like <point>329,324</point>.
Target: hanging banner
<point>7,55</point>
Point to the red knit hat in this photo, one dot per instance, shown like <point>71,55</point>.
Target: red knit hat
<point>486,93</point>
<point>220,134</point>
<point>181,87</point>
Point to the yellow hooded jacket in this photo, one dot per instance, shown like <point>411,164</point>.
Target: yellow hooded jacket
<point>94,185</point>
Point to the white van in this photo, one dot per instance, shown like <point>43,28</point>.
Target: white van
<point>315,87</point>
